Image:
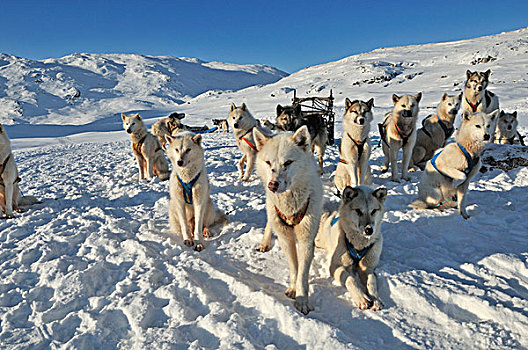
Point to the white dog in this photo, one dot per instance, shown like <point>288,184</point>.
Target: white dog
<point>10,198</point>
<point>353,168</point>
<point>398,130</point>
<point>294,195</point>
<point>191,209</point>
<point>446,177</point>
<point>352,238</point>
<point>146,148</point>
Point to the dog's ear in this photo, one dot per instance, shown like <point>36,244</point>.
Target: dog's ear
<point>395,98</point>
<point>297,110</point>
<point>487,73</point>
<point>514,114</point>
<point>501,114</point>
<point>348,103</point>
<point>169,138</point>
<point>244,107</point>
<point>370,103</point>
<point>261,139</point>
<point>138,116</point>
<point>233,107</point>
<point>468,74</point>
<point>123,116</point>
<point>493,114</point>
<point>301,137</point>
<point>418,97</point>
<point>466,115</point>
<point>197,139</point>
<point>279,110</point>
<point>349,193</point>
<point>460,96</point>
<point>444,96</point>
<point>2,128</point>
<point>380,193</point>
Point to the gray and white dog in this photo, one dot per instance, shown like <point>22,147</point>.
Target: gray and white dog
<point>352,238</point>
<point>447,175</point>
<point>353,168</point>
<point>398,131</point>
<point>477,98</point>
<point>436,130</point>
<point>506,133</point>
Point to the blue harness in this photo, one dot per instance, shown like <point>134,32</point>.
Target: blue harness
<point>355,254</point>
<point>472,162</point>
<point>187,188</point>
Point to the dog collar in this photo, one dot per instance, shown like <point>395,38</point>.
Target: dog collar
<point>355,254</point>
<point>474,106</point>
<point>187,187</point>
<point>294,219</point>
<point>404,138</point>
<point>360,145</point>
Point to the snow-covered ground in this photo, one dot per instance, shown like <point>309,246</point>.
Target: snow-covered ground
<point>95,266</point>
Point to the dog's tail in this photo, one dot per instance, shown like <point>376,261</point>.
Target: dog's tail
<point>28,200</point>
<point>418,204</point>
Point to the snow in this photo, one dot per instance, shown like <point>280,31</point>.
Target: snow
<point>95,265</point>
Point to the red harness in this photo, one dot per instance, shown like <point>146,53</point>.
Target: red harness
<point>473,106</point>
<point>249,143</point>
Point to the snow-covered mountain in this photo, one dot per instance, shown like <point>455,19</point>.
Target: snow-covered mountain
<point>96,267</point>
<point>81,88</point>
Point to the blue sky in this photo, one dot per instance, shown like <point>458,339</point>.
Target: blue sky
<point>289,35</point>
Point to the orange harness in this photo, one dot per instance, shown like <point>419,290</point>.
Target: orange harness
<point>294,219</point>
<point>243,138</point>
<point>2,169</point>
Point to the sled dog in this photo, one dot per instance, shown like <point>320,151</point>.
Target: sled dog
<point>10,196</point>
<point>507,133</point>
<point>446,178</point>
<point>293,203</point>
<point>191,209</point>
<point>243,124</point>
<point>168,126</point>
<point>290,118</point>
<point>223,125</point>
<point>436,130</point>
<point>352,238</point>
<point>146,148</point>
<point>398,130</point>
<point>353,168</point>
<point>476,96</point>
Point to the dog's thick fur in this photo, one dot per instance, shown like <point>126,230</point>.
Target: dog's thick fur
<point>437,190</point>
<point>353,169</point>
<point>400,130</point>
<point>477,98</point>
<point>431,136</point>
<point>358,221</point>
<point>223,125</point>
<point>290,118</point>
<point>146,148</point>
<point>507,133</point>
<point>243,124</point>
<point>192,221</point>
<point>294,196</point>
<point>167,127</point>
<point>10,197</point>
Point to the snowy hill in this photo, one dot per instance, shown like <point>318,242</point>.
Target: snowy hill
<point>95,265</point>
<point>81,88</point>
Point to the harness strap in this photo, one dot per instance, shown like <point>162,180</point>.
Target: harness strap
<point>248,142</point>
<point>187,188</point>
<point>295,219</point>
<point>447,131</point>
<point>433,163</point>
<point>470,160</point>
<point>404,138</point>
<point>2,169</point>
<point>137,146</point>
<point>334,221</point>
<point>521,139</point>
<point>360,145</point>
<point>382,128</point>
<point>355,254</point>
<point>474,106</point>
<point>341,160</point>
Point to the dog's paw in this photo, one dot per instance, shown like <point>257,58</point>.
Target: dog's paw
<point>290,293</point>
<point>377,305</point>
<point>206,233</point>
<point>263,248</point>
<point>245,178</point>
<point>302,304</point>
<point>465,215</point>
<point>188,242</point>
<point>199,247</point>
<point>20,210</point>
<point>363,302</point>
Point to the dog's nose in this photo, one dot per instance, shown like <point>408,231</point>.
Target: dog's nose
<point>368,230</point>
<point>361,121</point>
<point>235,125</point>
<point>128,130</point>
<point>273,186</point>
<point>453,111</point>
<point>486,137</point>
<point>479,88</point>
<point>180,162</point>
<point>509,127</point>
<point>406,113</point>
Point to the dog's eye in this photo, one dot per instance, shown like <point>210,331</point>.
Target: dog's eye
<point>373,211</point>
<point>403,106</point>
<point>478,126</point>
<point>187,150</point>
<point>488,126</point>
<point>359,212</point>
<point>287,163</point>
<point>412,106</point>
<point>449,104</point>
<point>268,162</point>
